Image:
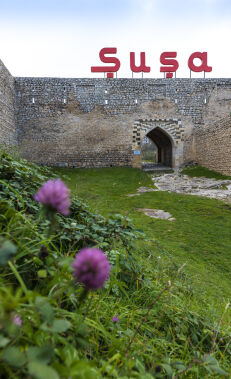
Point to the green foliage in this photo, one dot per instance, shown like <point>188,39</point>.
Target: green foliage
<point>20,180</point>
<point>40,371</point>
<point>158,334</point>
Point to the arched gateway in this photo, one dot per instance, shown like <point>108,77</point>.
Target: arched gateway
<point>163,144</point>
<point>166,134</point>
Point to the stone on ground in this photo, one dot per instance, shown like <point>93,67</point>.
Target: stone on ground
<point>157,213</point>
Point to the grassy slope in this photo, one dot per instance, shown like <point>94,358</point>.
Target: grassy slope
<point>200,236</point>
<point>198,171</point>
<point>172,331</point>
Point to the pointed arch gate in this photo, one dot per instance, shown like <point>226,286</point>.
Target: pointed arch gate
<point>168,136</point>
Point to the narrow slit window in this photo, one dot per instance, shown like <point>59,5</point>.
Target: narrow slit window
<point>106,101</point>
<point>33,100</point>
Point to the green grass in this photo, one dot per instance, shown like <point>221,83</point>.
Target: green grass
<point>200,236</point>
<point>199,171</point>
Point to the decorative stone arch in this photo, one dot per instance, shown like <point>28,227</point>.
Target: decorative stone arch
<point>167,134</point>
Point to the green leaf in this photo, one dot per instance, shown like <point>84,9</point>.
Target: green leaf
<point>14,357</point>
<point>42,354</point>
<point>4,341</point>
<point>7,251</point>
<point>84,370</point>
<point>218,369</point>
<point>42,273</point>
<point>45,309</point>
<point>211,360</point>
<point>80,226</point>
<point>168,369</point>
<point>82,329</point>
<point>69,355</point>
<point>60,326</point>
<point>140,367</point>
<point>41,371</point>
<point>178,365</point>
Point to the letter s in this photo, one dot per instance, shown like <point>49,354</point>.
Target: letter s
<point>171,65</point>
<point>114,60</point>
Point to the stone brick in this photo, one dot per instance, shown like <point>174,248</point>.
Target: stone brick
<point>8,135</point>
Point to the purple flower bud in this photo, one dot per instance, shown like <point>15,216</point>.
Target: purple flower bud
<point>55,195</point>
<point>91,268</point>
<point>17,320</point>
<point>115,319</point>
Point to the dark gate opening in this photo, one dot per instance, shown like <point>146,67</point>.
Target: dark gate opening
<point>164,146</point>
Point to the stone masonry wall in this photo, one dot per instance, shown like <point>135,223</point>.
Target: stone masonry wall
<point>7,111</point>
<point>91,122</point>
<point>214,146</point>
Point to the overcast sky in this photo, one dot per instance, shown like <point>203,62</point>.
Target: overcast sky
<point>62,38</point>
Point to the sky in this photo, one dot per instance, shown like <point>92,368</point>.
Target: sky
<point>62,38</point>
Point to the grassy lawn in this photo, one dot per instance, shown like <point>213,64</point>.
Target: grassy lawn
<point>200,236</point>
<point>198,171</point>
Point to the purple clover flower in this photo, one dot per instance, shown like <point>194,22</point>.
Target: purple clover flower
<point>91,268</point>
<point>17,320</point>
<point>115,319</point>
<point>55,195</point>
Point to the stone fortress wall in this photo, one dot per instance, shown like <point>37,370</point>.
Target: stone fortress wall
<point>8,134</point>
<point>214,146</point>
<point>101,122</point>
<point>213,140</point>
